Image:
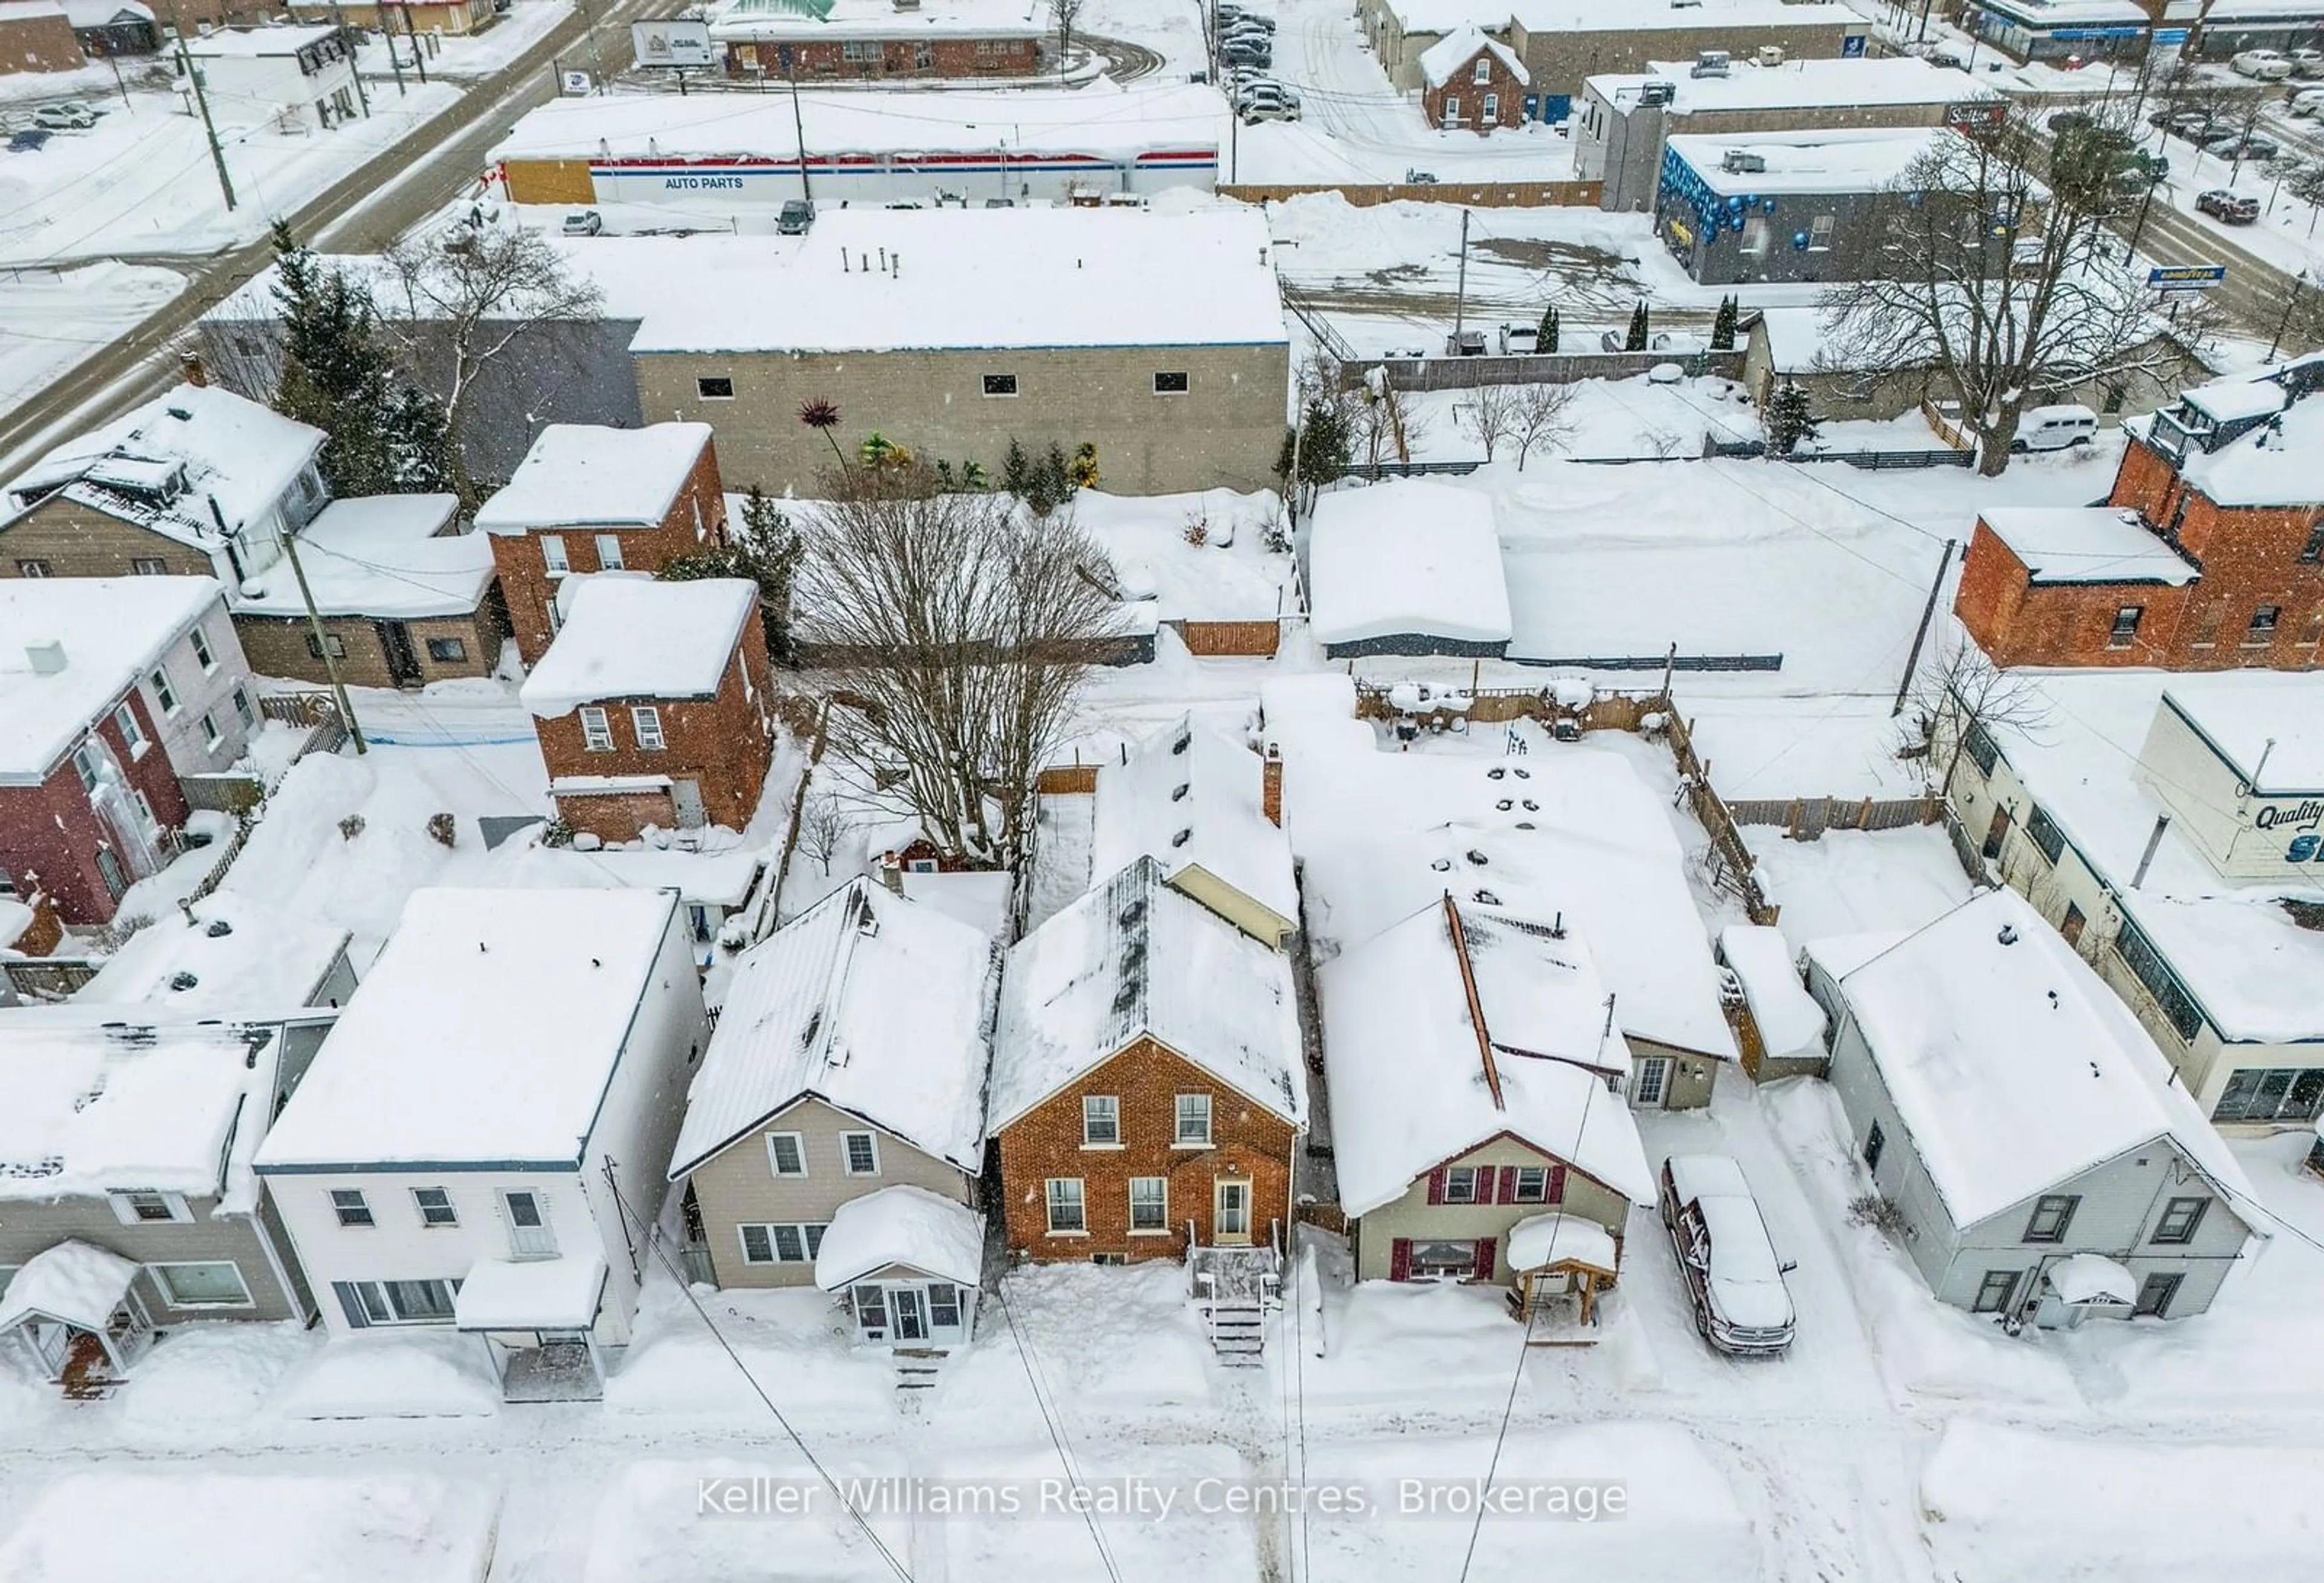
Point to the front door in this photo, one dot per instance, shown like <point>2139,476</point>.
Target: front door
<point>688,796</point>
<point>1231,1213</point>
<point>2155,1295</point>
<point>1995,833</point>
<point>911,1317</point>
<point>402,657</point>
<point>531,1236</point>
<point>1654,1082</point>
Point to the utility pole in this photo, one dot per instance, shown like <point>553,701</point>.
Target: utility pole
<point>790,64</point>
<point>1461,290</point>
<point>323,642</point>
<point>209,127</point>
<point>589,20</point>
<point>417,63</point>
<point>355,67</point>
<point>1920,634</point>
<point>114,60</point>
<point>2284,319</point>
<point>394,60</point>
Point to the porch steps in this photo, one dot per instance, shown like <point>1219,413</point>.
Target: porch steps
<point>918,1369</point>
<point>1237,1333</point>
<point>87,1376</point>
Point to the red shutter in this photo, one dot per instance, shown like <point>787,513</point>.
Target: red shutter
<point>1399,1259</point>
<point>1485,1246</point>
<point>1557,1184</point>
<point>1436,1186</point>
<point>1483,1177</point>
<point>1508,1193</point>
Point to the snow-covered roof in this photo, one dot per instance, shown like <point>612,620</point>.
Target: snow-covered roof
<point>1862,159</point>
<point>228,954</point>
<point>2088,543</point>
<point>29,10</point>
<point>104,13</point>
<point>1406,557</point>
<point>1410,1087</point>
<point>1838,955</point>
<point>902,1225</point>
<point>487,1032</point>
<point>1134,958</point>
<point>385,555</point>
<point>2271,737</point>
<point>1102,120</point>
<point>1789,1020</point>
<point>72,1281</point>
<point>589,475</point>
<point>112,630</point>
<point>628,636</point>
<point>1898,80</point>
<point>1538,1241</point>
<point>89,1107</point>
<point>1444,58</point>
<point>870,1003</point>
<point>744,21</point>
<point>1573,16</point>
<point>164,465</point>
<point>2014,1069</point>
<point>2273,461</point>
<point>261,41</point>
<point>980,900</point>
<point>719,875</point>
<point>2257,974</point>
<point>1189,797</point>
<point>2084,1278</point>
<point>948,279</point>
<point>560,1294</point>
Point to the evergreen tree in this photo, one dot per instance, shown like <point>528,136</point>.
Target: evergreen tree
<point>1324,443</point>
<point>1722,328</point>
<point>1547,341</point>
<point>1790,419</point>
<point>1639,332</point>
<point>766,549</point>
<point>421,454</point>
<point>1017,471</point>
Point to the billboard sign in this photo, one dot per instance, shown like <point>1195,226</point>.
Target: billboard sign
<point>672,43</point>
<point>1976,114</point>
<point>2186,276</point>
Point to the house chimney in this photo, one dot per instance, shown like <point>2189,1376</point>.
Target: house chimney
<point>190,365</point>
<point>48,658</point>
<point>891,873</point>
<point>1270,786</point>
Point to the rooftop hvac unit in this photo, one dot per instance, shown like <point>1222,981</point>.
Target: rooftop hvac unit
<point>1769,54</point>
<point>1654,94</point>
<point>1742,162</point>
<point>1710,63</point>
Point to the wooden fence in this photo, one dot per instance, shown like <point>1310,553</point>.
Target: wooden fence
<point>1712,812</point>
<point>1807,818</point>
<point>1489,195</point>
<point>227,792</point>
<point>1544,368</point>
<point>1945,428</point>
<point>307,710</point>
<point>1499,705</point>
<point>49,978</point>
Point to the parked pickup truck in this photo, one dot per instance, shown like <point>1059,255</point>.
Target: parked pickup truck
<point>1725,1256</point>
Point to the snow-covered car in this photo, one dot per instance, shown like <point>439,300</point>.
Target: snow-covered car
<point>2251,146</point>
<point>2230,208</point>
<point>31,140</point>
<point>1265,88</point>
<point>2266,65</point>
<point>2059,428</point>
<point>66,117</point>
<point>2307,102</point>
<point>1733,1278</point>
<point>1243,53</point>
<point>1520,340</point>
<point>2306,62</point>
<point>1267,108</point>
<point>1420,177</point>
<point>584,223</point>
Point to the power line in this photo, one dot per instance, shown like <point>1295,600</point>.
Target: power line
<point>1056,1437</point>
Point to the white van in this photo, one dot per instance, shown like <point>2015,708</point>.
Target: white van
<point>2055,428</point>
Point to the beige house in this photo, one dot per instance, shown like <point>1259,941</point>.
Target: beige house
<point>1209,811</point>
<point>850,1059</point>
<point>1156,338</point>
<point>1472,1064</point>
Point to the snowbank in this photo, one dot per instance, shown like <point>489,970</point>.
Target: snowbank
<point>423,1373</point>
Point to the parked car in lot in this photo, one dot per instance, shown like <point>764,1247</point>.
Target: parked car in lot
<point>1419,177</point>
<point>584,223</point>
<point>1265,88</point>
<point>2068,120</point>
<point>1267,107</point>
<point>1405,354</point>
<point>1237,52</point>
<point>65,117</point>
<point>2307,102</point>
<point>1733,1277</point>
<point>31,140</point>
<point>1467,344</point>
<point>2060,427</point>
<point>796,218</point>
<point>2266,65</point>
<point>2251,146</point>
<point>2232,209</point>
<point>1520,340</point>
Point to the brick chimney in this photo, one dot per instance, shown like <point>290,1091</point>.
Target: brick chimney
<point>1270,786</point>
<point>891,873</point>
<point>190,365</point>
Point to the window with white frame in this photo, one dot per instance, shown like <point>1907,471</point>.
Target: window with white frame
<point>149,566</point>
<point>1820,229</point>
<point>124,720</point>
<point>141,1208</point>
<point>1194,1118</point>
<point>216,1284</point>
<point>164,694</point>
<point>861,1151</point>
<point>1064,1201</point>
<point>242,709</point>
<point>351,1207</point>
<point>396,1302</point>
<point>1460,1184</point>
<point>645,721</point>
<point>1100,1120</point>
<point>552,553</point>
<point>609,552</point>
<point>787,1153</point>
<point>1150,1203</point>
<point>435,1204</point>
<point>780,1243</point>
<point>1532,1185</point>
<point>1484,72</point>
<point>596,730</point>
<point>211,736</point>
<point>204,654</point>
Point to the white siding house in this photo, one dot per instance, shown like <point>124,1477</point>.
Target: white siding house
<point>482,1140</point>
<point>306,74</point>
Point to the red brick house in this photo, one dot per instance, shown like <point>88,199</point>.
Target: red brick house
<point>110,689</point>
<point>2208,554</point>
<point>878,38</point>
<point>1469,81</point>
<point>1148,1082</point>
<point>591,499</point>
<point>654,706</point>
<point>37,35</point>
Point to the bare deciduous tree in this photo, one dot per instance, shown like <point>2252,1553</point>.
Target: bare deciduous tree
<point>1541,422</point>
<point>1960,695</point>
<point>1987,276</point>
<point>956,629</point>
<point>458,310</point>
<point>1489,416</point>
<point>1387,425</point>
<point>1068,13</point>
<point>823,826</point>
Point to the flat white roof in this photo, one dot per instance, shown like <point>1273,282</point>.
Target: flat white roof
<point>228,953</point>
<point>1406,557</point>
<point>560,1294</point>
<point>2282,726</point>
<point>786,19</point>
<point>630,636</point>
<point>1572,16</point>
<point>2088,543</point>
<point>486,1033</point>
<point>588,475</point>
<point>254,42</point>
<point>1899,80</point>
<point>112,630</point>
<point>881,280</point>
<point>1859,160</point>
<point>383,554</point>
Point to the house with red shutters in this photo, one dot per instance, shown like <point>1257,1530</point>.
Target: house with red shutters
<point>1472,1055</point>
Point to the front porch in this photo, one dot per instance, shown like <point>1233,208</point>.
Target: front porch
<point>1233,1286</point>
<point>538,1318</point>
<point>74,1307</point>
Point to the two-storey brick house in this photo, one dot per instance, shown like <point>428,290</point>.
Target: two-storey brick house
<point>591,499</point>
<point>1148,1085</point>
<point>1472,82</point>
<point>654,704</point>
<point>2208,554</point>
